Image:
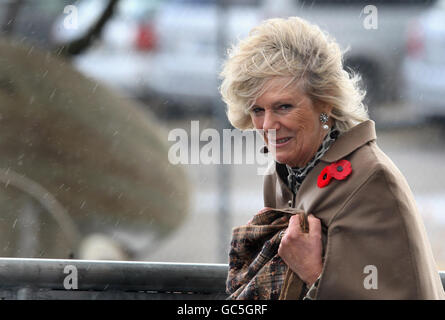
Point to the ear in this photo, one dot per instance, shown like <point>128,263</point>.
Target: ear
<point>324,107</point>
<point>328,109</point>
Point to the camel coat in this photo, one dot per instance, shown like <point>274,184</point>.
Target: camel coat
<point>374,242</point>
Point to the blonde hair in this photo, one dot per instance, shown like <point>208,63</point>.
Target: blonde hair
<point>291,48</point>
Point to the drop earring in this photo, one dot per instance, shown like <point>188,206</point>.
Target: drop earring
<point>324,119</point>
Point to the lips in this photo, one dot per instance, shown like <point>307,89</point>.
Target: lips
<point>280,142</point>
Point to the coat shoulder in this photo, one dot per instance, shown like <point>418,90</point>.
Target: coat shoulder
<point>377,175</point>
<point>370,159</point>
<point>379,223</point>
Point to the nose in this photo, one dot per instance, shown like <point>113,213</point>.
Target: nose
<point>271,125</point>
<point>270,122</point>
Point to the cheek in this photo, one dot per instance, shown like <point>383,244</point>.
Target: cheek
<point>300,120</point>
<point>257,122</point>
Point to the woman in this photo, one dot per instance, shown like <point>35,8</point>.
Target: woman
<point>340,221</point>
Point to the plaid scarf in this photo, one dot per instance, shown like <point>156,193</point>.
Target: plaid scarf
<point>256,271</point>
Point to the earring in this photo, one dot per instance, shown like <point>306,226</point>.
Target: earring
<point>324,119</point>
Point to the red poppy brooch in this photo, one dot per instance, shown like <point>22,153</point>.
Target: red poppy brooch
<point>338,170</point>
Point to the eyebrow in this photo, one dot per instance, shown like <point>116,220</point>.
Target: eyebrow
<point>275,104</point>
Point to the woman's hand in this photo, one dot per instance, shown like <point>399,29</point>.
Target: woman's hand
<point>302,251</point>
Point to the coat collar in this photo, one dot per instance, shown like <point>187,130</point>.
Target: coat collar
<point>350,141</point>
<point>345,144</point>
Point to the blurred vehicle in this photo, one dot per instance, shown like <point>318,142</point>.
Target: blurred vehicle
<point>424,64</point>
<point>30,20</point>
<point>186,62</point>
<point>122,56</point>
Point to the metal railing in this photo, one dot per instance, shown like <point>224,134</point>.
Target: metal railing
<point>23,278</point>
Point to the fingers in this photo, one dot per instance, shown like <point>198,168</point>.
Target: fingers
<point>314,225</point>
<point>294,228</point>
<point>295,225</point>
<point>302,252</point>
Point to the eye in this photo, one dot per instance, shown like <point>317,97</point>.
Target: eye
<point>285,107</point>
<point>256,110</point>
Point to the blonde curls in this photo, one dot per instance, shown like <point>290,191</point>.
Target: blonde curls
<point>299,50</point>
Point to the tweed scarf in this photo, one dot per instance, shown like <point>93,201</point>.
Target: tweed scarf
<point>256,271</point>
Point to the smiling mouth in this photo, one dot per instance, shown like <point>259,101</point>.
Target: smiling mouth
<point>280,142</point>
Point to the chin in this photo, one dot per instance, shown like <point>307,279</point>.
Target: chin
<point>283,160</point>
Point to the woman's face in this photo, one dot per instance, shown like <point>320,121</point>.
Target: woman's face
<point>295,119</point>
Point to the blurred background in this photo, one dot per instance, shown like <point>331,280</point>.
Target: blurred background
<point>90,89</point>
